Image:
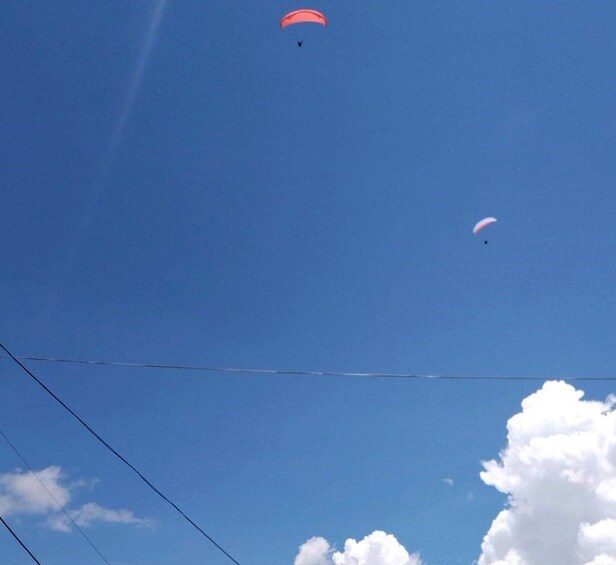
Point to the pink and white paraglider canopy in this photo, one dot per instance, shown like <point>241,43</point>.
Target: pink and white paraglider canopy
<point>482,224</point>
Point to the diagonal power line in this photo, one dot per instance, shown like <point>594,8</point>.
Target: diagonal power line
<point>294,372</point>
<point>19,541</point>
<point>119,456</point>
<point>32,472</point>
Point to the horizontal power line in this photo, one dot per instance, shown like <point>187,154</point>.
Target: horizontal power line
<point>294,372</point>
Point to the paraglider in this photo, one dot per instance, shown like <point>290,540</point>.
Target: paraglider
<point>483,224</point>
<point>303,16</point>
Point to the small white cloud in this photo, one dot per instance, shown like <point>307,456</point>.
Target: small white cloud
<point>92,512</point>
<point>559,473</point>
<point>377,548</point>
<point>448,482</point>
<point>21,493</point>
<point>88,484</point>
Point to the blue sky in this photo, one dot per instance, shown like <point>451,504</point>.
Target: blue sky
<point>269,206</point>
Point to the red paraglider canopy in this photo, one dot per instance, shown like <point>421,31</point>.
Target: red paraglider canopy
<point>303,16</point>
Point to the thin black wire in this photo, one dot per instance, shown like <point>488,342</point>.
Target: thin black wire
<point>120,457</point>
<point>201,368</point>
<point>19,541</point>
<point>30,470</point>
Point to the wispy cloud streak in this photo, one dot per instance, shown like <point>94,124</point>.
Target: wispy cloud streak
<point>103,175</point>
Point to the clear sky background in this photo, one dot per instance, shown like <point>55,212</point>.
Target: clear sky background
<point>212,194</point>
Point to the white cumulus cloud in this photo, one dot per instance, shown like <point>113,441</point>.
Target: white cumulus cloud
<point>559,473</point>
<point>21,493</point>
<point>315,551</point>
<point>377,548</point>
